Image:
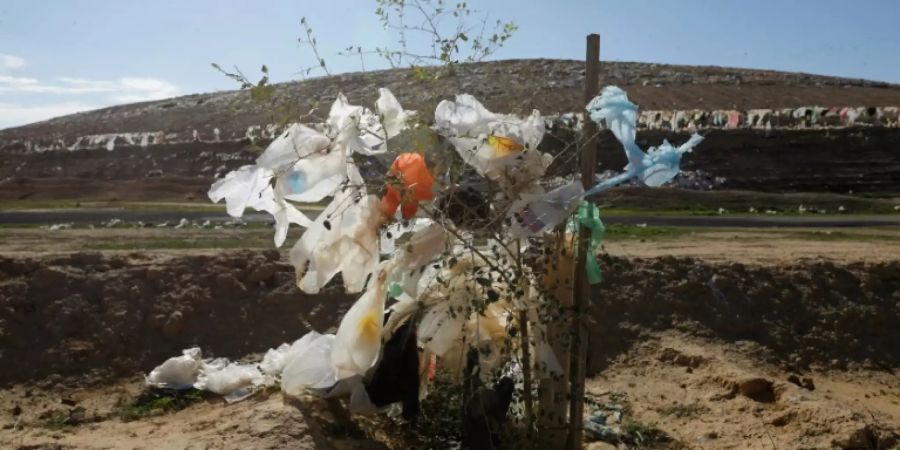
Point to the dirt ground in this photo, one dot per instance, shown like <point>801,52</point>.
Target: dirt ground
<point>762,339</point>
<point>743,245</point>
<point>704,394</point>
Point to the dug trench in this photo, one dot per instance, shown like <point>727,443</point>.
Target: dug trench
<point>88,320</point>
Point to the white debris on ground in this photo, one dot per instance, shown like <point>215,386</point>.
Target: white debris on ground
<point>58,226</point>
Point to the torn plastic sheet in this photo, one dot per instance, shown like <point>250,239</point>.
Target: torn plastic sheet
<point>408,265</point>
<point>655,167</point>
<point>234,381</point>
<point>542,213</point>
<point>344,238</point>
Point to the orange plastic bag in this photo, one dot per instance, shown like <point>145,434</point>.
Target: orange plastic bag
<point>409,183</point>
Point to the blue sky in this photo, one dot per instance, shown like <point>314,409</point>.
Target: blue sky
<point>58,57</point>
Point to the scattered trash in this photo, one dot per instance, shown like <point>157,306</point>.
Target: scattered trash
<point>430,269</point>
<point>60,226</point>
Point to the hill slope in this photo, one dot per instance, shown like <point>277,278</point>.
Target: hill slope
<point>552,86</point>
<point>184,142</point>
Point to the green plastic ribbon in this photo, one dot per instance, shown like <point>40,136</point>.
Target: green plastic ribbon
<point>394,289</point>
<point>588,216</point>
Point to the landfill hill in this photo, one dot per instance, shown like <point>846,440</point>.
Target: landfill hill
<point>197,137</point>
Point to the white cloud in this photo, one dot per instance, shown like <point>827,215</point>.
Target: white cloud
<point>127,89</point>
<point>30,100</point>
<point>145,89</point>
<point>11,61</point>
<point>13,114</point>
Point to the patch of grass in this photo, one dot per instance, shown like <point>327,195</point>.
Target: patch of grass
<point>642,435</point>
<point>834,236</point>
<point>179,244</point>
<point>617,231</point>
<point>13,226</point>
<point>683,411</point>
<point>154,402</point>
<point>625,212</point>
<point>644,201</point>
<point>57,421</point>
<point>440,425</point>
<point>42,205</point>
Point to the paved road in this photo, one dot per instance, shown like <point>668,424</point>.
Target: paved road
<point>156,217</point>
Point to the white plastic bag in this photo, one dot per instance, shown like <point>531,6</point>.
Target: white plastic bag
<point>308,365</point>
<point>358,340</point>
<point>344,238</point>
<point>234,381</point>
<point>179,372</point>
<point>500,147</point>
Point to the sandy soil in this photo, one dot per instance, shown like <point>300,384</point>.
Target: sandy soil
<point>96,421</point>
<point>744,245</point>
<point>691,391</point>
<point>766,246</point>
<point>698,352</point>
<point>699,392</point>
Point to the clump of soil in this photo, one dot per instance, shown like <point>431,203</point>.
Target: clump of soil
<point>97,316</point>
<point>808,314</point>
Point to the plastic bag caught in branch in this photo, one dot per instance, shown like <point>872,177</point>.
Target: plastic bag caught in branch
<point>408,265</point>
<point>358,340</point>
<point>295,143</point>
<point>538,213</point>
<point>654,168</point>
<point>344,238</point>
<point>409,182</point>
<point>250,187</point>
<point>500,147</point>
<point>394,118</point>
<point>307,165</point>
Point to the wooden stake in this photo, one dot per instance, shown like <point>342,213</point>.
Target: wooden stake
<point>558,275</point>
<point>588,158</point>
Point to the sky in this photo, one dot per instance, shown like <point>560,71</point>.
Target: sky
<point>62,56</point>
